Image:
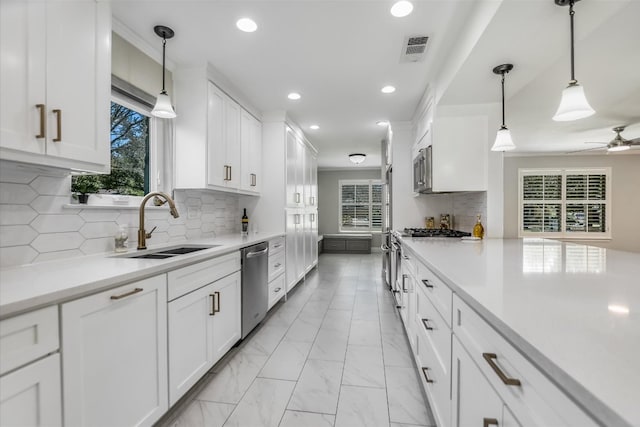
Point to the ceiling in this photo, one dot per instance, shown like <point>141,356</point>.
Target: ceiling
<point>338,54</point>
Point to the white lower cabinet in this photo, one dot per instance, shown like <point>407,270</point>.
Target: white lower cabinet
<point>114,347</point>
<point>203,326</point>
<point>30,396</point>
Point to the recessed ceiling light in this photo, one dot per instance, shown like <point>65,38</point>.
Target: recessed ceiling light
<point>294,96</point>
<point>401,8</point>
<point>314,127</point>
<point>618,309</point>
<point>388,89</point>
<point>382,123</point>
<point>247,25</point>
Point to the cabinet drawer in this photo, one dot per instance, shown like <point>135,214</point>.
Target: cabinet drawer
<point>435,381</point>
<point>536,401</point>
<point>276,245</point>
<point>276,290</point>
<point>27,337</point>
<point>436,331</point>
<point>187,279</point>
<point>439,293</point>
<point>276,265</point>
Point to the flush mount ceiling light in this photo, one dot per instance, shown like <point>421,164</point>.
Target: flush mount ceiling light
<point>247,25</point>
<point>382,123</point>
<point>294,96</point>
<point>163,107</point>
<point>503,137</point>
<point>314,127</point>
<point>574,104</point>
<point>388,89</point>
<point>357,158</point>
<point>401,8</point>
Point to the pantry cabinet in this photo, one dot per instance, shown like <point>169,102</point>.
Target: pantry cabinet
<point>114,347</point>
<point>55,75</point>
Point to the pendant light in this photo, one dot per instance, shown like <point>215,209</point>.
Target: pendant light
<point>574,104</point>
<point>163,107</point>
<point>357,158</point>
<point>503,137</point>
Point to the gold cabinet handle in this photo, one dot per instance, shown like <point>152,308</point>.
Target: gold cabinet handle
<point>427,283</point>
<point>43,120</point>
<point>254,179</point>
<point>426,377</point>
<point>489,357</point>
<point>426,325</point>
<point>297,197</point>
<point>404,288</point>
<point>230,173</point>
<point>276,290</point>
<point>216,307</point>
<point>117,297</point>
<point>486,422</point>
<point>277,265</point>
<point>212,312</point>
<point>58,114</point>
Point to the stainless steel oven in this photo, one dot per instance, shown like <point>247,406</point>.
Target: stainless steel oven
<point>422,177</point>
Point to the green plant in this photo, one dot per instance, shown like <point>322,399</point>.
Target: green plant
<point>85,184</point>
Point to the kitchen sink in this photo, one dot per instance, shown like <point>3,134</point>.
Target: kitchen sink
<point>167,252</point>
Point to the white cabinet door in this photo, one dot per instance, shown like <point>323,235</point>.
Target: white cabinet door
<point>55,83</point>
<point>251,158</point>
<point>190,340</point>
<point>232,140</point>
<point>292,198</point>
<point>227,317</point>
<point>475,401</point>
<point>114,347</point>
<point>31,395</point>
<point>294,247</point>
<point>216,146</point>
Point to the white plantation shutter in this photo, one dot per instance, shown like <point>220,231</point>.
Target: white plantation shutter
<point>360,205</point>
<point>565,203</point>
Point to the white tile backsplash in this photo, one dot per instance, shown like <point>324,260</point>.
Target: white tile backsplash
<point>464,207</point>
<point>36,225</point>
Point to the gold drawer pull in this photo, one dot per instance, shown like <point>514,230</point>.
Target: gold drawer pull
<point>276,290</point>
<point>489,357</point>
<point>216,307</point>
<point>427,283</point>
<point>212,312</point>
<point>426,325</point>
<point>277,265</point>
<point>426,377</point>
<point>486,422</point>
<point>135,291</point>
<point>43,120</point>
<point>58,114</point>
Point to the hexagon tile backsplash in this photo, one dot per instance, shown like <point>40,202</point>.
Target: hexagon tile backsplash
<point>36,226</point>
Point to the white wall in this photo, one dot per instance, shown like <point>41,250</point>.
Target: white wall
<point>625,197</point>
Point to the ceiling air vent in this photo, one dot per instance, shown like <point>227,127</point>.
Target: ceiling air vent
<point>413,48</point>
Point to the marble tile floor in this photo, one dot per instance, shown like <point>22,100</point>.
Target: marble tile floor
<point>333,354</point>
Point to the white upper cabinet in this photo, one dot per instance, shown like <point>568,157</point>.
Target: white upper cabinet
<point>251,157</point>
<point>55,74</point>
<point>460,152</point>
<point>218,143</point>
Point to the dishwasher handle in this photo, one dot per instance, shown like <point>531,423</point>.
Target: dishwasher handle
<point>259,253</point>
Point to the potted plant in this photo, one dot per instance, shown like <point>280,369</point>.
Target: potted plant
<point>83,185</point>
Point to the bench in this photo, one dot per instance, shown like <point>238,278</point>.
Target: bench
<point>347,243</point>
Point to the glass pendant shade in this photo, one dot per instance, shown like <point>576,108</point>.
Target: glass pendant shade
<point>163,107</point>
<point>503,140</point>
<point>573,105</point>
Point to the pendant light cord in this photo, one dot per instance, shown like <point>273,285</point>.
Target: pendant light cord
<point>503,126</point>
<point>164,44</point>
<point>573,73</point>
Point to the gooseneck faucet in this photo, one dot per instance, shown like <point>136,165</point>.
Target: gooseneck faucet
<point>158,196</point>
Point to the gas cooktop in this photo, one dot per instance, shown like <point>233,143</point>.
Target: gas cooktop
<point>433,232</point>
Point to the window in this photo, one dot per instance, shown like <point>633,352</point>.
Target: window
<point>360,205</point>
<point>565,203</point>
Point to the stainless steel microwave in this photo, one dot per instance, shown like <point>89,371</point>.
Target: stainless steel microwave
<point>422,178</point>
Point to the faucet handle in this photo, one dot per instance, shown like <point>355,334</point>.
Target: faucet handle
<point>148,235</point>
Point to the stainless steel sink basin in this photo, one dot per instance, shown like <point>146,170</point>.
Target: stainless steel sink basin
<point>167,252</point>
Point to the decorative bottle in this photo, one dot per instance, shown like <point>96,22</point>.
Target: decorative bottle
<point>120,239</point>
<point>478,229</point>
<point>245,223</point>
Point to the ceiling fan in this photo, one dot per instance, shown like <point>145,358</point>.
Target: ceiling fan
<point>618,143</point>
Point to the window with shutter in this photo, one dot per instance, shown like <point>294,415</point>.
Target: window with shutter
<point>565,203</point>
<point>360,205</point>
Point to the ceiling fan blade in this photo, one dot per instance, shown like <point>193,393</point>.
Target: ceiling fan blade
<point>586,149</point>
<point>594,142</point>
<point>634,141</point>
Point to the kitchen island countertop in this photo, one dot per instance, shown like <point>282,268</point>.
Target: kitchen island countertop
<point>28,287</point>
<point>572,310</point>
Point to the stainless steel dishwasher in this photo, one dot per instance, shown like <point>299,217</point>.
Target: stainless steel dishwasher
<point>255,292</point>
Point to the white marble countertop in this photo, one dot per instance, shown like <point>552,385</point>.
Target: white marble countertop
<point>32,286</point>
<point>572,310</point>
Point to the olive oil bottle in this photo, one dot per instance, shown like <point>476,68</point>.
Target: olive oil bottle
<point>478,229</point>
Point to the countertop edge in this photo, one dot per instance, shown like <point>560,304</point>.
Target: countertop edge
<point>160,267</point>
<point>576,392</point>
